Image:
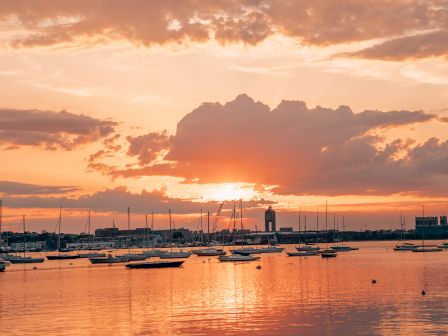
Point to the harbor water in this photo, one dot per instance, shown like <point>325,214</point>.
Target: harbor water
<point>286,296</point>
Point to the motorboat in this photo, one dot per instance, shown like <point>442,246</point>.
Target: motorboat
<point>272,249</point>
<point>404,247</point>
<point>443,246</point>
<point>210,252</point>
<point>109,260</point>
<point>237,257</point>
<point>155,264</point>
<point>174,255</point>
<point>303,253</point>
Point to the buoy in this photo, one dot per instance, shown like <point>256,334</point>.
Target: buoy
<point>373,281</point>
<point>423,292</point>
<point>258,267</point>
<point>35,267</point>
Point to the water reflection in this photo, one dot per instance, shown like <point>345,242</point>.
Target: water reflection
<point>288,296</point>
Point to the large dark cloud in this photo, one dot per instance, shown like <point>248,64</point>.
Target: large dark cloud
<point>51,130</point>
<point>297,149</point>
<point>17,188</point>
<point>315,22</point>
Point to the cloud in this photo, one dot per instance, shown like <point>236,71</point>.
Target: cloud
<point>17,188</point>
<point>118,199</point>
<point>430,44</point>
<point>297,149</point>
<point>51,130</point>
<point>148,147</point>
<point>312,22</point>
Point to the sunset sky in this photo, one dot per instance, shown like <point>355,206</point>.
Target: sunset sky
<point>183,104</point>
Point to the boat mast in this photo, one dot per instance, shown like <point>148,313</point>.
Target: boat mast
<point>317,226</point>
<point>59,229</point>
<point>24,235</point>
<point>208,227</point>
<point>300,223</point>
<point>202,231</point>
<point>326,223</point>
<point>129,229</point>
<point>304,218</point>
<point>1,218</point>
<point>171,234</point>
<point>90,238</point>
<point>146,231</point>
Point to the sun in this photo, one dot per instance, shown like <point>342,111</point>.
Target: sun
<point>229,191</point>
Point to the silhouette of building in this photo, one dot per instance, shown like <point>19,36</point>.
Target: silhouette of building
<point>429,226</point>
<point>269,220</point>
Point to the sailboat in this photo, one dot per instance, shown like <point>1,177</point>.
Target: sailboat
<point>91,254</point>
<point>327,253</point>
<point>150,253</point>
<point>429,248</point>
<point>210,251</point>
<point>403,246</point>
<point>60,256</point>
<point>173,254</point>
<point>24,259</point>
<point>242,254</point>
<point>305,250</point>
<point>342,247</point>
<point>131,256</point>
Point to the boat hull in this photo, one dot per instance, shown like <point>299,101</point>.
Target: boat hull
<point>62,257</point>
<point>328,255</point>
<point>430,249</point>
<point>108,260</point>
<point>27,261</point>
<point>174,255</point>
<point>92,255</point>
<point>237,258</point>
<point>155,264</point>
<point>303,253</point>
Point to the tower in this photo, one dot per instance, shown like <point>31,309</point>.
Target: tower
<point>269,220</point>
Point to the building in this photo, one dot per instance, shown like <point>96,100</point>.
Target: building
<point>269,220</point>
<point>29,246</point>
<point>429,226</point>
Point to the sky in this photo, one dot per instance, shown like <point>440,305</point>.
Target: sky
<point>183,105</point>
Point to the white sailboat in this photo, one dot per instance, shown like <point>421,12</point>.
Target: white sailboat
<point>17,259</point>
<point>60,256</point>
<point>91,254</point>
<point>305,250</point>
<point>173,254</point>
<point>327,253</point>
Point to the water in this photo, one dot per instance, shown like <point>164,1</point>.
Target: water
<point>287,296</point>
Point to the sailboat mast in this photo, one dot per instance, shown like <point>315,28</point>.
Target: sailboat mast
<point>146,230</point>
<point>90,237</point>
<point>1,218</point>
<point>129,229</point>
<point>208,227</point>
<point>59,229</point>
<point>171,234</point>
<point>241,214</point>
<point>304,218</point>
<point>202,231</point>
<point>24,235</point>
<point>326,222</point>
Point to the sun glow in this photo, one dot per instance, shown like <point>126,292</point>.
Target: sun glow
<point>229,191</point>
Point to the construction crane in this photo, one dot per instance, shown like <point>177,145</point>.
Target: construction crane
<point>215,222</point>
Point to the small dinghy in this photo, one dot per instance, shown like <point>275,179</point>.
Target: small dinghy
<point>155,264</point>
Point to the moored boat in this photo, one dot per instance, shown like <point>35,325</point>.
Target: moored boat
<point>427,249</point>
<point>91,255</point>
<point>271,249</point>
<point>62,256</point>
<point>174,255</point>
<point>211,252</point>
<point>2,267</point>
<point>246,250</point>
<point>155,264</point>
<point>25,260</point>
<point>303,253</point>
<point>109,260</point>
<point>237,257</point>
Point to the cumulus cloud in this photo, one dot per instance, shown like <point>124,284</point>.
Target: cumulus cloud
<point>315,22</point>
<point>17,188</point>
<point>299,150</point>
<point>51,130</point>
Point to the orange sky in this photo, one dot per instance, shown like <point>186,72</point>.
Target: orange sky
<point>308,101</point>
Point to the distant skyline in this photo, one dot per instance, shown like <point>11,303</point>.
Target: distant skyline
<point>182,105</point>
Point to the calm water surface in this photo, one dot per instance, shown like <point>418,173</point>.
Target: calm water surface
<point>287,296</point>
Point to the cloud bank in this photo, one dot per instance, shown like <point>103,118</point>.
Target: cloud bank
<point>311,22</point>
<point>51,130</point>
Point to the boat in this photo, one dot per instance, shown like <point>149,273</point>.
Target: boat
<point>307,247</point>
<point>427,249</point>
<point>91,255</point>
<point>341,248</point>
<point>327,253</point>
<point>246,250</point>
<point>133,256</point>
<point>24,259</point>
<point>271,249</point>
<point>152,253</point>
<point>211,252</point>
<point>155,264</point>
<point>303,253</point>
<point>60,256</point>
<point>174,255</point>
<point>404,246</point>
<point>443,246</point>
<point>324,254</point>
<point>109,260</point>
<point>237,257</point>
<point>2,267</point>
